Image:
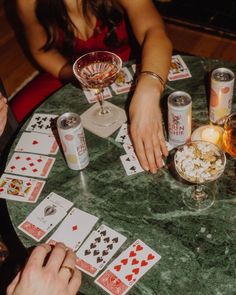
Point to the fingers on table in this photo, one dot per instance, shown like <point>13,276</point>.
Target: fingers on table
<point>149,148</point>
<point>39,255</point>
<point>67,269</point>
<point>75,281</point>
<point>56,257</point>
<point>13,284</point>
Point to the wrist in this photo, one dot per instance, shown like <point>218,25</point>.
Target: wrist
<point>146,85</point>
<point>153,77</point>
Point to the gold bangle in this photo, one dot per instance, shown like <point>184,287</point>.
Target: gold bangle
<point>155,76</point>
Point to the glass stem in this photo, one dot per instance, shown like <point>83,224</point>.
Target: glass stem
<point>199,193</point>
<point>103,110</point>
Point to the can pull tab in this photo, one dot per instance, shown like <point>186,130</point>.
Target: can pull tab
<point>179,100</point>
<point>69,122</point>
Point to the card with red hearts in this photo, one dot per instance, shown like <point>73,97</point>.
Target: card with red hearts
<point>39,143</point>
<point>127,268</point>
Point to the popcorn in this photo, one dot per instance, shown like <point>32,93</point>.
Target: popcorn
<point>199,162</point>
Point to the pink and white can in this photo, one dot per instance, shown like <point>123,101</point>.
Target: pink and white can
<point>179,117</point>
<point>221,96</point>
<point>73,142</point>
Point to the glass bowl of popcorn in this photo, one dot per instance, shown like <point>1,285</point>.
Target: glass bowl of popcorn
<point>199,162</point>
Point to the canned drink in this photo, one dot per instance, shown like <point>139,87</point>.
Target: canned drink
<point>221,95</point>
<point>73,142</point>
<point>179,117</point>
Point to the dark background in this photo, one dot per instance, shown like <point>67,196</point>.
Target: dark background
<point>215,17</point>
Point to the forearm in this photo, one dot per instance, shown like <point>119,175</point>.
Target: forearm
<point>55,64</point>
<point>156,55</point>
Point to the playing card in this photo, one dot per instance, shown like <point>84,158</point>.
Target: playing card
<point>30,165</point>
<point>127,268</point>
<point>19,188</point>
<point>129,148</point>
<point>98,249</point>
<point>42,123</point>
<point>178,69</point>
<point>45,216</point>
<point>136,70</point>
<point>169,146</point>
<point>38,143</point>
<point>123,82</point>
<point>123,134</point>
<point>74,229</point>
<point>92,95</point>
<point>131,164</point>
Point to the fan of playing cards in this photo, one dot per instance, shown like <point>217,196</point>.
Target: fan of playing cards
<point>34,157</point>
<point>93,249</point>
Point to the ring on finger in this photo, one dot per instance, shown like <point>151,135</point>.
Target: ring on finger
<point>70,269</point>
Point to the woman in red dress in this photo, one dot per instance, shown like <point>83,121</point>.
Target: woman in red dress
<point>59,31</point>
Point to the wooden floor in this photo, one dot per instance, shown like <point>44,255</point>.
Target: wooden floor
<point>15,68</point>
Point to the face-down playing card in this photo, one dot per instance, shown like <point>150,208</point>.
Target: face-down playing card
<point>42,123</point>
<point>30,165</point>
<point>73,229</point>
<point>17,188</point>
<point>127,268</point>
<point>45,216</point>
<point>38,143</point>
<point>98,249</point>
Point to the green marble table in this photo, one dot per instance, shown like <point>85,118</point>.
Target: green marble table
<point>198,249</point>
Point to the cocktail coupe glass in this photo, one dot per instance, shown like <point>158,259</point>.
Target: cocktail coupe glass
<point>199,162</point>
<point>97,70</point>
<point>229,135</point>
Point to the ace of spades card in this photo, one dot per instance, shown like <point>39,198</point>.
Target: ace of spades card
<point>98,249</point>
<point>45,216</point>
<point>127,268</point>
<point>42,123</point>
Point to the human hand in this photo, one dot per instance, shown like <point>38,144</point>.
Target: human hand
<point>3,113</point>
<point>47,272</point>
<point>146,129</point>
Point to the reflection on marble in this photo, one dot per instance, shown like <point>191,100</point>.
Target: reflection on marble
<point>198,249</point>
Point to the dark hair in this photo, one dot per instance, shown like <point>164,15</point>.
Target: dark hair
<point>52,15</point>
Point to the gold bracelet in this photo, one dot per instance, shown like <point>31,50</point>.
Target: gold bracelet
<point>155,76</point>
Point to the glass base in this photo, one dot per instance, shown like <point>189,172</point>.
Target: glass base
<point>106,116</point>
<point>199,197</point>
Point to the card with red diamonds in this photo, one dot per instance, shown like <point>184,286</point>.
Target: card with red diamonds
<point>30,165</point>
<point>74,229</point>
